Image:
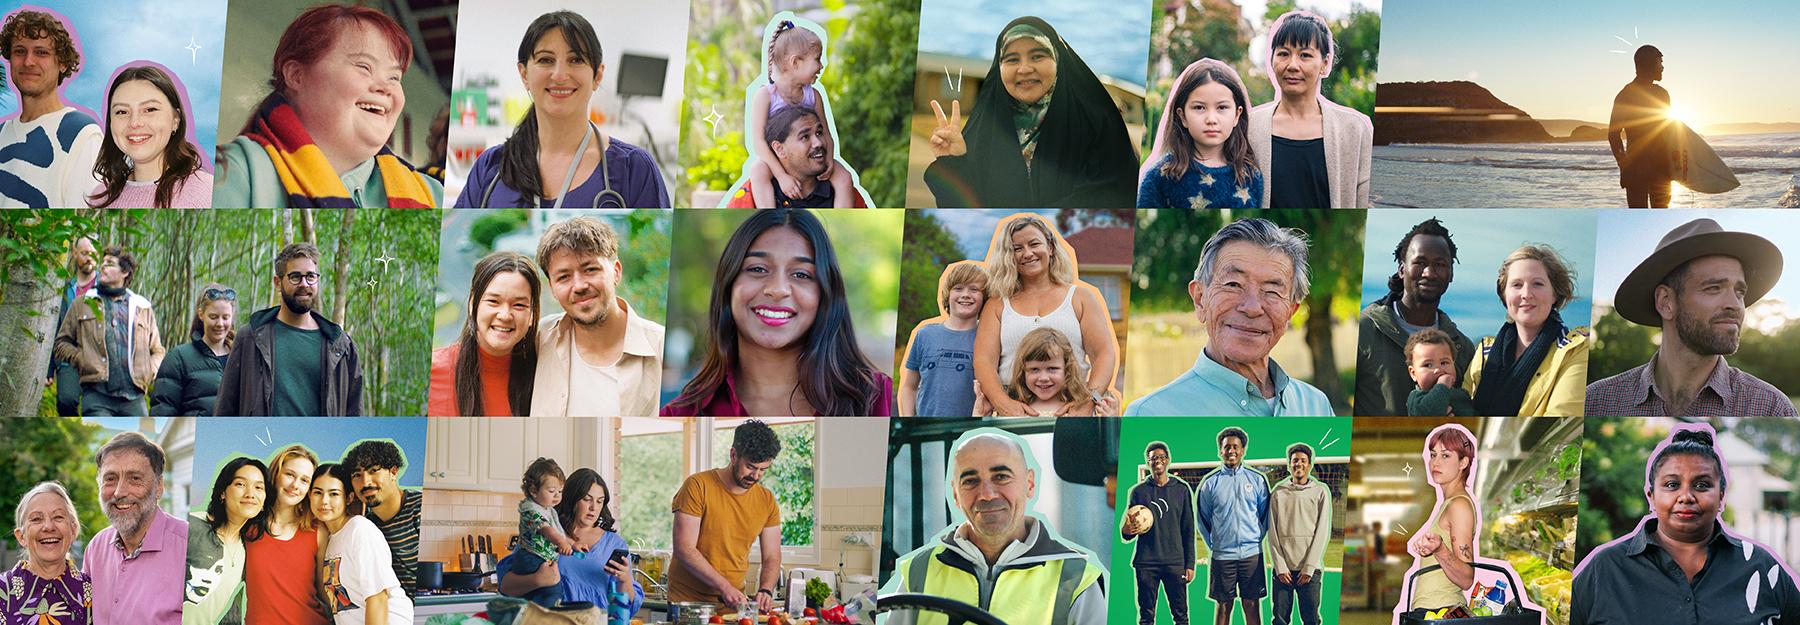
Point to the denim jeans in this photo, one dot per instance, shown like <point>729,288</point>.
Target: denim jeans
<point>1283,598</point>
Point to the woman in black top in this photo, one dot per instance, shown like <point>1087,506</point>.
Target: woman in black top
<point>1681,564</point>
<point>1043,132</point>
<point>187,383</point>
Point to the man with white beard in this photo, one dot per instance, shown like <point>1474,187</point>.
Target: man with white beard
<point>138,563</point>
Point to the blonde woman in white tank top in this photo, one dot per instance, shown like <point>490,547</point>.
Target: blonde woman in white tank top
<point>1032,283</point>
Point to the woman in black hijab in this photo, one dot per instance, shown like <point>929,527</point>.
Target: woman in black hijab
<point>1044,132</point>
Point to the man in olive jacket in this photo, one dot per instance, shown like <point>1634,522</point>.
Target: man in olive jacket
<point>1425,260</point>
<point>289,360</point>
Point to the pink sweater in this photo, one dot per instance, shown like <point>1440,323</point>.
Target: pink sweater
<point>195,191</point>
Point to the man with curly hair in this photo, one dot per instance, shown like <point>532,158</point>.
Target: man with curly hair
<point>375,469</point>
<point>718,513</point>
<point>47,151</point>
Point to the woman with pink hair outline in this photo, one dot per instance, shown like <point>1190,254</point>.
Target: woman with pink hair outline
<point>1683,564</point>
<point>1444,550</point>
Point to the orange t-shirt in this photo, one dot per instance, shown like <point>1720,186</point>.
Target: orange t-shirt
<point>729,524</point>
<point>495,373</point>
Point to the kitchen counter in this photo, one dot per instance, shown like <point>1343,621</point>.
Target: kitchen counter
<point>428,606</point>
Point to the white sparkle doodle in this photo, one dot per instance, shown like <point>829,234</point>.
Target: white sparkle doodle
<point>713,119</point>
<point>259,439</point>
<point>955,87</point>
<point>1401,529</point>
<point>1407,469</point>
<point>1627,42</point>
<point>193,48</point>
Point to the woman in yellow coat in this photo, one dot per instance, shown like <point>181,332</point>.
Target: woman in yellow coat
<point>1535,366</point>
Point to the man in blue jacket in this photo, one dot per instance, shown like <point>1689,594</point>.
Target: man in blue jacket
<point>1232,506</point>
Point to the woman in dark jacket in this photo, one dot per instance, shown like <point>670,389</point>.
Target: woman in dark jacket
<point>188,381</point>
<point>1043,132</point>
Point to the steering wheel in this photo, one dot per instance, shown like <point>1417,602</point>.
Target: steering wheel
<point>958,611</point>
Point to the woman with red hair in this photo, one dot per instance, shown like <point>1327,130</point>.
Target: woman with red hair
<point>319,139</point>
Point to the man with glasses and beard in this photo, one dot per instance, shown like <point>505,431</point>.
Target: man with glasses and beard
<point>718,513</point>
<point>1695,287</point>
<point>289,360</point>
<point>597,358</point>
<point>1427,264</point>
<point>376,466</point>
<point>139,562</point>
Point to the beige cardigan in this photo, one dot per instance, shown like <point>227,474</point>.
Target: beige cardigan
<point>1349,142</point>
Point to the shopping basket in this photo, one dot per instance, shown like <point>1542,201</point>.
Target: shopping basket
<point>1515,612</point>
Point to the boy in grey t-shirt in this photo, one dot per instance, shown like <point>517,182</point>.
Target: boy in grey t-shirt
<point>939,380</point>
<point>540,534</point>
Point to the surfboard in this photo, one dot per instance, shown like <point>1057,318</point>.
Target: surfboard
<point>1699,168</point>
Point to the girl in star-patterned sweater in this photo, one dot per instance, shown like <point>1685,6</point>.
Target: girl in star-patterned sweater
<point>1202,157</point>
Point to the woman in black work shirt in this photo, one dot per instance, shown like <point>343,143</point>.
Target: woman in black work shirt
<point>1682,565</point>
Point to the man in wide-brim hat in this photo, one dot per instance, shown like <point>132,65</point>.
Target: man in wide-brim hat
<point>1695,287</point>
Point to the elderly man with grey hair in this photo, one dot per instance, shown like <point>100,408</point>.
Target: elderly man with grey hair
<point>1252,277</point>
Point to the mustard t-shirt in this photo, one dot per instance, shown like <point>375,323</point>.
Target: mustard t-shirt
<point>728,525</point>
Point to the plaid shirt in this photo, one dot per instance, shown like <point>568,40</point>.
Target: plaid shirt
<point>1728,392</point>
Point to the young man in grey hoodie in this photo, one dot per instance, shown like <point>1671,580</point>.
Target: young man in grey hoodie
<point>1300,511</point>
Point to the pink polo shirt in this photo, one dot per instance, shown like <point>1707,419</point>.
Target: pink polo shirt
<point>145,587</point>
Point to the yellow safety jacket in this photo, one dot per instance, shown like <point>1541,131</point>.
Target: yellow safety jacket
<point>1037,588</point>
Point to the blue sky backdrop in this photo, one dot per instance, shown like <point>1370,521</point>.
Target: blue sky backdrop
<point>1559,59</point>
<point>117,32</point>
<point>1113,37</point>
<point>220,439</point>
<point>1484,237</point>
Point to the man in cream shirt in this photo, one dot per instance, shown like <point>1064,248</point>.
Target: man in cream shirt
<point>597,358</point>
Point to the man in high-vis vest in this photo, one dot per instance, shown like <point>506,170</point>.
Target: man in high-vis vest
<point>1001,557</point>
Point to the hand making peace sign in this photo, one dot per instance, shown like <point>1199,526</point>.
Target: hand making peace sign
<point>947,138</point>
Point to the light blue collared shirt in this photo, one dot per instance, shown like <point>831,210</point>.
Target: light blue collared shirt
<point>1211,390</point>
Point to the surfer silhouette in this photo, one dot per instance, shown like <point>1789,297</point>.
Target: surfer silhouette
<point>1644,153</point>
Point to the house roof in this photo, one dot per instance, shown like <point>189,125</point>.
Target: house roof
<point>1102,246</point>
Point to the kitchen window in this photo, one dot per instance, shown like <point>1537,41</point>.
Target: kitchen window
<point>652,467</point>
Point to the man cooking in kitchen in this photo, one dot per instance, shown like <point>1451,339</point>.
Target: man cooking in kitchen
<point>718,514</point>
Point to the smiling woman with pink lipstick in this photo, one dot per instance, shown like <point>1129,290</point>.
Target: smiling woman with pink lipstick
<point>489,370</point>
<point>1535,366</point>
<point>46,581</point>
<point>319,139</point>
<point>146,160</point>
<point>780,341</point>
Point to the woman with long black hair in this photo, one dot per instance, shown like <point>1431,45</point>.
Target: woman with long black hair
<point>215,558</point>
<point>780,340</point>
<point>489,370</point>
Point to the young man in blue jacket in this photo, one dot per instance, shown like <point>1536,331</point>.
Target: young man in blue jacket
<point>1232,507</point>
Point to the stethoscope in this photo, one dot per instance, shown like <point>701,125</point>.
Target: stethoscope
<point>600,199</point>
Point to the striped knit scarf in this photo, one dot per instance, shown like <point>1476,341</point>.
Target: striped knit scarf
<point>309,178</point>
